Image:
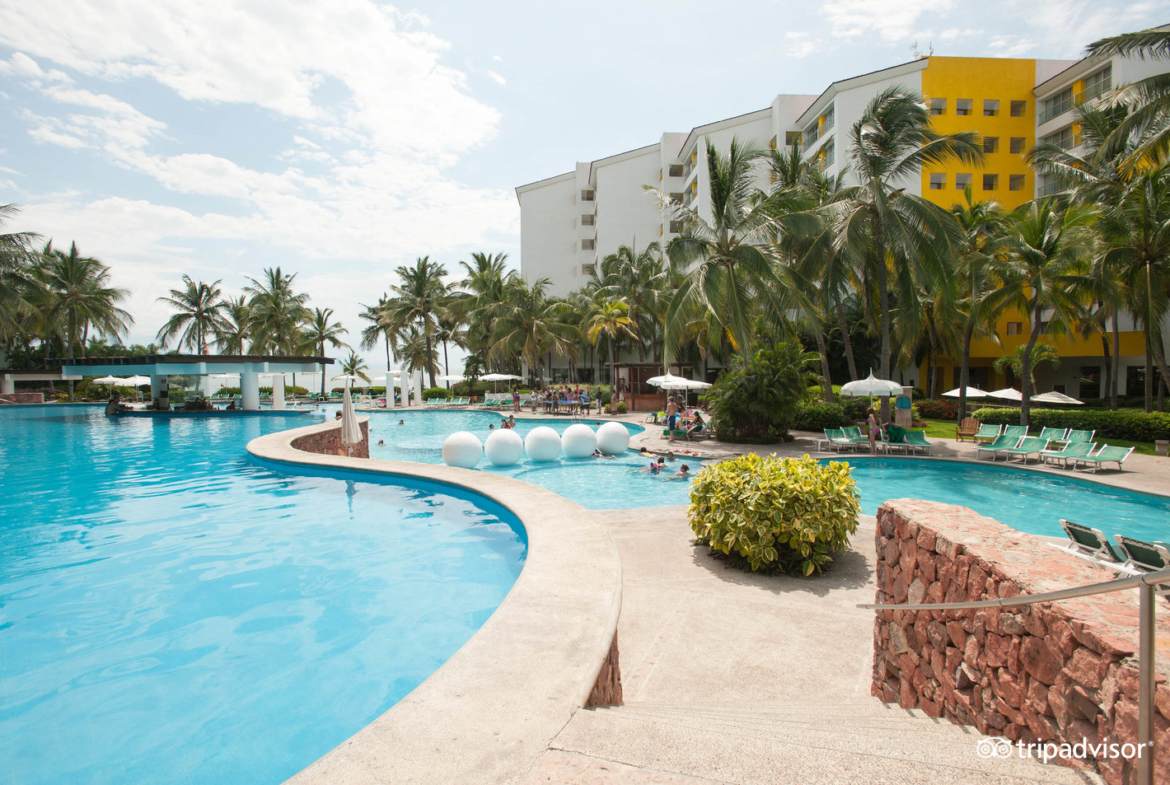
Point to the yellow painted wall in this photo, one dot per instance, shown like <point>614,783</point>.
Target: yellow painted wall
<point>977,78</point>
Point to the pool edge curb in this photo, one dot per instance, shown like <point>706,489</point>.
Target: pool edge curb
<point>491,709</point>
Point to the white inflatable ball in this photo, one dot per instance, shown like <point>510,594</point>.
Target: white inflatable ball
<point>578,441</point>
<point>613,438</point>
<point>542,444</point>
<point>503,447</point>
<point>462,449</point>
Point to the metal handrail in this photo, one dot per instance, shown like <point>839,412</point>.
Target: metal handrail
<point>1145,584</point>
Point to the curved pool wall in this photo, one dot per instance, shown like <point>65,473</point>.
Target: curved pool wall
<point>172,610</point>
<point>515,684</point>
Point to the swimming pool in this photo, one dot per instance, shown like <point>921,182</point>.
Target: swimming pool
<point>1028,501</point>
<point>172,611</point>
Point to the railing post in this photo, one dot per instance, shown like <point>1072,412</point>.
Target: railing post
<point>1145,767</point>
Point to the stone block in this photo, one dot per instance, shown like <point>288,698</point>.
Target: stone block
<point>995,648</point>
<point>1008,688</point>
<point>957,634</point>
<point>916,592</point>
<point>1037,698</point>
<point>1084,667</point>
<point>926,539</point>
<point>1039,660</point>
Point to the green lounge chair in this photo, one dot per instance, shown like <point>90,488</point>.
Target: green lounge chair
<point>853,434</point>
<point>895,440</point>
<point>1001,443</point>
<point>1143,556</point>
<point>987,433</point>
<point>835,438</point>
<point>1054,434</point>
<point>1106,454</point>
<point>1077,437</point>
<point>1019,431</point>
<point>1029,445</point>
<point>917,441</point>
<point>1067,453</point>
<point>1091,545</point>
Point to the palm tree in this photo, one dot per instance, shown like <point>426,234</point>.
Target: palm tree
<point>418,354</point>
<point>976,276</point>
<point>419,298</point>
<point>726,263</point>
<point>354,366</point>
<point>531,323</point>
<point>480,295</point>
<point>641,280</point>
<point>1041,353</point>
<point>16,277</point>
<point>234,327</point>
<point>381,327</point>
<point>1048,249</point>
<point>277,312</point>
<point>882,227</point>
<point>198,307</point>
<point>1148,98</point>
<point>450,331</point>
<point>609,318</point>
<point>319,330</point>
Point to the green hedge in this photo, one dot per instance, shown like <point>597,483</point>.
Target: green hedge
<point>1125,424</point>
<point>819,416</point>
<point>436,392</point>
<point>787,515</point>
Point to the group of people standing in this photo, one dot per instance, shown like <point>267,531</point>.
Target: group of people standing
<point>560,398</point>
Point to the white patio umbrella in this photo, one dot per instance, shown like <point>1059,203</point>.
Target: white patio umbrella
<point>452,377</point>
<point>348,379</point>
<point>499,377</point>
<point>972,392</point>
<point>870,386</point>
<point>1056,397</point>
<point>136,382</point>
<point>1007,394</point>
<point>351,430</point>
<point>113,381</point>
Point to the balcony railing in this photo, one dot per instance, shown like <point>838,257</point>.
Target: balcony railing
<point>1056,110</point>
<point>1089,93</point>
<point>810,136</point>
<point>1049,189</point>
<point>1146,586</point>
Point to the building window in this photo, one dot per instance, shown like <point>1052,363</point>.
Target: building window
<point>963,106</point>
<point>676,170</point>
<point>1016,182</point>
<point>1019,108</point>
<point>588,245</point>
<point>991,144</point>
<point>810,135</point>
<point>990,182</point>
<point>1097,84</point>
<point>827,120</point>
<point>828,153</point>
<point>677,197</point>
<point>588,220</point>
<point>938,181</point>
<point>587,196</point>
<point>1057,105</point>
<point>1090,381</point>
<point>676,227</point>
<point>1017,145</point>
<point>938,106</point>
<point>962,181</point>
<point>1014,328</point>
<point>589,269</point>
<point>791,138</point>
<point>1062,138</point>
<point>990,107</point>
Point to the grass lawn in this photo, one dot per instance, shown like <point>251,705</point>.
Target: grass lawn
<point>945,429</point>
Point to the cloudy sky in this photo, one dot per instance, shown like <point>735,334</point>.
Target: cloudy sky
<point>341,139</point>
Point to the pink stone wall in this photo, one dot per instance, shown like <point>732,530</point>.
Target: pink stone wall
<point>1059,672</point>
<point>28,397</point>
<point>329,442</point>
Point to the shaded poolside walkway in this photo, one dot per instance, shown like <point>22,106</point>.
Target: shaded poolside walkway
<point>737,678</point>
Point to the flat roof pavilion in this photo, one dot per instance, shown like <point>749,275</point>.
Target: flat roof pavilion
<point>159,366</point>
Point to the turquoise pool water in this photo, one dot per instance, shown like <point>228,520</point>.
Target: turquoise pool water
<point>173,612</point>
<point>1027,501</point>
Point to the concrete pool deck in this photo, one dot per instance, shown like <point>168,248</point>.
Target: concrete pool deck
<point>728,677</point>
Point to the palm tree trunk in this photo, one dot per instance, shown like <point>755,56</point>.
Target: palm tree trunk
<point>1149,374</point>
<point>826,377</point>
<point>847,341</point>
<point>612,376</point>
<point>1026,365</point>
<point>430,365</point>
<point>1107,354</point>
<point>446,366</point>
<point>965,367</point>
<point>884,304</point>
<point>1160,359</point>
<point>1116,363</point>
<point>932,387</point>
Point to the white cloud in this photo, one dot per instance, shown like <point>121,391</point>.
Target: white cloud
<point>363,123</point>
<point>495,77</point>
<point>799,45</point>
<point>892,20</point>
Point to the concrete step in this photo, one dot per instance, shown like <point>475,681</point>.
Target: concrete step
<point>861,741</point>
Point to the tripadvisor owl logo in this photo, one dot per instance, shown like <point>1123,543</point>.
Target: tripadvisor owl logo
<point>1001,747</point>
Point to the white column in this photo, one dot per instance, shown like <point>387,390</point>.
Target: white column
<point>250,388</point>
<point>390,375</point>
<point>160,392</point>
<point>278,391</point>
<point>417,384</point>
<point>7,385</point>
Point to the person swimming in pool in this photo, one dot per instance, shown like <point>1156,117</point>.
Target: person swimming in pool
<point>402,422</point>
<point>600,454</point>
<point>683,472</point>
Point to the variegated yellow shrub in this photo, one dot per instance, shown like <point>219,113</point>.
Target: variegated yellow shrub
<point>791,514</point>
